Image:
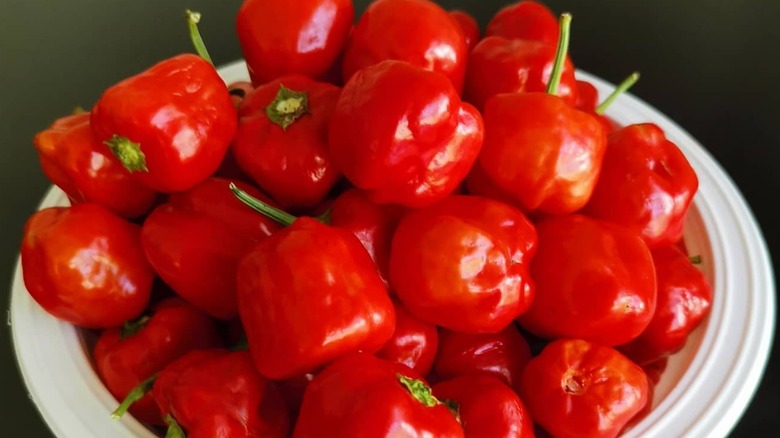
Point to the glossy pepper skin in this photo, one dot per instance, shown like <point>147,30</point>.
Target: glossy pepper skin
<point>402,134</point>
<point>468,24</point>
<point>373,224</point>
<point>309,294</point>
<point>282,140</point>
<point>525,20</point>
<point>414,343</point>
<point>419,32</point>
<point>217,393</point>
<point>487,407</point>
<point>87,171</point>
<point>174,122</point>
<point>362,396</point>
<point>575,388</point>
<point>196,239</point>
<point>646,184</point>
<point>125,357</point>
<point>502,355</point>
<point>684,300</point>
<point>284,37</point>
<point>543,153</point>
<point>594,281</point>
<point>463,264</point>
<point>500,65</point>
<point>93,276</point>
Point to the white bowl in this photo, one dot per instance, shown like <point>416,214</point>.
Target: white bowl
<point>703,392</point>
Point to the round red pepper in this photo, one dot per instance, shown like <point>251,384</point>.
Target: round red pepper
<point>646,184</point>
<point>414,343</point>
<point>684,299</point>
<point>170,125</point>
<point>126,357</point>
<point>283,37</point>
<point>196,239</point>
<point>468,25</point>
<point>463,264</point>
<point>594,281</point>
<point>363,396</point>
<point>587,97</point>
<point>487,408</point>
<point>85,265</point>
<point>282,140</point>
<point>402,134</point>
<point>503,355</point>
<point>87,171</point>
<point>416,31</point>
<point>525,20</point>
<point>217,393</point>
<point>578,389</point>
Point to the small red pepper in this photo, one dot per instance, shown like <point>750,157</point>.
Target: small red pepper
<point>282,139</point>
<point>503,355</point>
<point>419,32</point>
<point>309,294</point>
<point>646,184</point>
<point>575,388</point>
<point>125,357</point>
<point>363,396</point>
<point>463,264</point>
<point>87,171</point>
<point>414,343</point>
<point>85,265</point>
<point>525,20</point>
<point>401,134</point>
<point>468,25</point>
<point>684,300</point>
<point>487,408</point>
<point>217,393</point>
<point>169,125</point>
<point>284,37</point>
<point>196,239</point>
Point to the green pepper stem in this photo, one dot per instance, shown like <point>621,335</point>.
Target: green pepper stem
<point>133,396</point>
<point>620,89</point>
<point>419,390</point>
<point>560,54</point>
<point>132,327</point>
<point>174,430</point>
<point>193,18</point>
<point>287,107</point>
<point>696,259</point>
<point>274,213</point>
<point>128,152</point>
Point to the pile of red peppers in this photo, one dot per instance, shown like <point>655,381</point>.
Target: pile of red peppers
<point>401,227</point>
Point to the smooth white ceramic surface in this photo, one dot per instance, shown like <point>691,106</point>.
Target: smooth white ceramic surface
<point>703,392</point>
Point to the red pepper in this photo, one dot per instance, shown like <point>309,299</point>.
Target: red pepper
<point>646,184</point>
<point>503,355</point>
<point>170,125</point>
<point>487,408</point>
<point>196,239</point>
<point>504,65</point>
<point>85,265</point>
<point>283,37</point>
<point>416,31</point>
<point>373,224</point>
<point>414,343</point>
<point>594,281</point>
<point>463,264</point>
<point>684,300</point>
<point>578,389</point>
<point>216,393</point>
<point>309,294</point>
<point>363,396</point>
<point>525,20</point>
<point>469,26</point>
<point>402,134</point>
<point>587,97</point>
<point>87,171</point>
<point>125,357</point>
<point>282,140</point>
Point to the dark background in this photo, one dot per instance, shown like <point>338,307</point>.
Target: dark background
<point>709,65</point>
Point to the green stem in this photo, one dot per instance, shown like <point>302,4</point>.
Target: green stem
<point>287,107</point>
<point>419,390</point>
<point>128,152</point>
<point>696,260</point>
<point>622,88</point>
<point>193,18</point>
<point>560,54</point>
<point>274,213</point>
<point>325,217</point>
<point>133,396</point>
<point>132,327</point>
<point>174,430</point>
